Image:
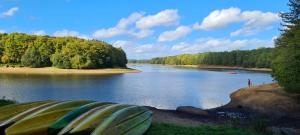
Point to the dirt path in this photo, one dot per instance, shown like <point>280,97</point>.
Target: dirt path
<point>179,118</point>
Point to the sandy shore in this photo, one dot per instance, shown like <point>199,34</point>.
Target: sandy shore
<point>216,67</point>
<point>56,71</point>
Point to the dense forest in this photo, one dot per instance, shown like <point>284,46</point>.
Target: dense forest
<point>62,52</point>
<point>260,58</point>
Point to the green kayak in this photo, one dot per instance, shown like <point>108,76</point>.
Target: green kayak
<point>87,125</point>
<point>66,119</point>
<point>79,119</point>
<point>9,111</point>
<point>131,120</point>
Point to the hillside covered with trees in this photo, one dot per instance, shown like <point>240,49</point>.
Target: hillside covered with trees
<point>61,52</point>
<point>260,58</point>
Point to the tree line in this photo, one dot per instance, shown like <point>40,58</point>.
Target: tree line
<point>259,58</point>
<point>62,52</point>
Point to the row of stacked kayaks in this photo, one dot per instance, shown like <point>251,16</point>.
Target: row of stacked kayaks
<point>74,117</point>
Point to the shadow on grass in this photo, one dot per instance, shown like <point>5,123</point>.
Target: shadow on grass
<point>171,129</point>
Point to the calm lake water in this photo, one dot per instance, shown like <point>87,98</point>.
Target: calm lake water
<point>159,86</point>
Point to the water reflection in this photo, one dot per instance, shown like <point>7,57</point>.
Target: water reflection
<point>159,86</point>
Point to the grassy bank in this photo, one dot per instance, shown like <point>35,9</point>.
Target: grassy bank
<point>171,129</point>
<point>56,71</point>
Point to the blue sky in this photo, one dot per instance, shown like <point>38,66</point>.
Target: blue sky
<point>146,29</point>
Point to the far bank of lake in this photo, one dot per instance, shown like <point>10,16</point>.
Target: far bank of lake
<point>218,67</point>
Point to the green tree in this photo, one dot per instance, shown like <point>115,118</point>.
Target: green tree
<point>286,56</point>
<point>32,58</point>
<point>286,62</point>
<point>292,17</point>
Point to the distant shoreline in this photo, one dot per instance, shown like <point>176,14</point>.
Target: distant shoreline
<point>212,67</point>
<point>57,71</point>
<point>217,67</point>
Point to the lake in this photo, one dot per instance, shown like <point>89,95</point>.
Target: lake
<point>164,87</point>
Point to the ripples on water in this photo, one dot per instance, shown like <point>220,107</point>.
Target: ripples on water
<point>163,87</point>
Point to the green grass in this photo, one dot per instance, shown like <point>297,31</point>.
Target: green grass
<point>170,129</point>
<point>4,102</point>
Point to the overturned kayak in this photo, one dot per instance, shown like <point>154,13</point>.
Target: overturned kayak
<point>66,119</point>
<point>87,125</point>
<point>58,106</point>
<point>130,120</point>
<point>37,125</point>
<point>22,115</point>
<point>11,110</point>
<point>76,117</point>
<point>79,119</point>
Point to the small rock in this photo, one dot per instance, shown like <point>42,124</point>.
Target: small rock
<point>192,110</point>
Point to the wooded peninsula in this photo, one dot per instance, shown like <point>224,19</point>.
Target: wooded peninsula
<point>61,52</point>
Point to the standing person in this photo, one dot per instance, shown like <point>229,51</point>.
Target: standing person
<point>249,83</point>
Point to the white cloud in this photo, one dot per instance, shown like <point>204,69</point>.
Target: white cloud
<point>39,33</point>
<point>196,26</point>
<point>253,21</point>
<point>141,34</point>
<point>2,31</point>
<point>164,18</point>
<point>132,47</point>
<point>145,48</point>
<point>144,51</point>
<point>179,46</point>
<point>219,44</point>
<point>221,19</point>
<point>10,12</point>
<point>125,22</point>
<point>108,33</point>
<point>69,33</point>
<point>121,28</point>
<point>256,21</point>
<point>180,32</point>
<point>137,25</point>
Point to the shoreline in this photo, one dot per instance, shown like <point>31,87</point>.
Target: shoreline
<point>57,71</point>
<point>215,67</point>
